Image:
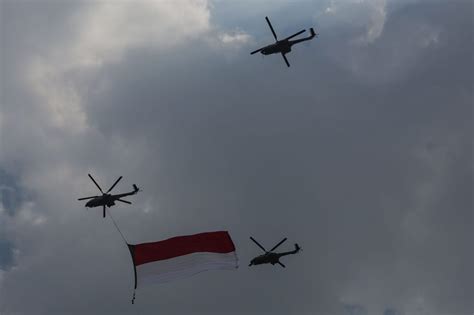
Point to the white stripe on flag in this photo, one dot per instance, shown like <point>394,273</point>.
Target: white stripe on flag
<point>184,266</point>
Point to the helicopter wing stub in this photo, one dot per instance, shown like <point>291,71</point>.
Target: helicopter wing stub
<point>124,201</point>
<point>281,264</point>
<point>296,34</point>
<point>271,28</point>
<point>286,60</point>
<point>258,244</point>
<point>114,184</point>
<point>92,178</point>
<point>103,212</point>
<point>88,198</point>
<point>281,242</point>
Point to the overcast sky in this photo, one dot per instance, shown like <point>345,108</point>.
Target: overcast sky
<point>361,152</point>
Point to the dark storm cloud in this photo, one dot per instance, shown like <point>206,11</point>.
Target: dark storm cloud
<point>361,152</point>
<point>315,150</point>
<point>6,254</point>
<point>11,197</point>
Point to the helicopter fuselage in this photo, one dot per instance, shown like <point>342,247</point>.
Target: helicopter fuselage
<point>281,46</point>
<point>268,258</point>
<point>107,200</point>
<point>272,258</point>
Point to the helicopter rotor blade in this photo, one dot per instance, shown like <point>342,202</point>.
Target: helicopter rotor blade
<point>256,51</point>
<point>124,201</point>
<point>274,247</point>
<point>95,183</point>
<point>271,27</point>
<point>258,244</point>
<point>88,198</point>
<point>286,60</point>
<point>281,264</point>
<point>295,34</point>
<point>114,184</point>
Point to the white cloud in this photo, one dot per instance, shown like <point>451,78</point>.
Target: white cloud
<point>103,32</point>
<point>369,47</point>
<point>208,157</point>
<point>61,103</point>
<point>108,29</point>
<point>369,13</point>
<point>234,38</point>
<point>377,20</point>
<point>28,216</point>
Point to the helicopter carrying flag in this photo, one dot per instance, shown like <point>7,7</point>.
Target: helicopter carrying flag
<point>108,199</point>
<point>182,256</point>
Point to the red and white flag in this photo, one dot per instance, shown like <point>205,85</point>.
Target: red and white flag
<point>182,256</point>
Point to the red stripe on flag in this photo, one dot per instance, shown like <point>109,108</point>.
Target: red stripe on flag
<point>214,242</point>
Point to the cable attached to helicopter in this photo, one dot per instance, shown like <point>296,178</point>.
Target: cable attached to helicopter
<point>126,243</point>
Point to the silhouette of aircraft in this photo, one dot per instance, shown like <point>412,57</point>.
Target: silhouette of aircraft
<point>107,199</point>
<point>283,46</point>
<point>269,257</point>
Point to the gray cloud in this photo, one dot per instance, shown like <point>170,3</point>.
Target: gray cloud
<point>361,152</point>
<point>6,254</point>
<point>11,198</point>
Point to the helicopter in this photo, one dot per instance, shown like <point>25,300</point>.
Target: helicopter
<point>272,258</point>
<point>283,46</point>
<point>108,199</point>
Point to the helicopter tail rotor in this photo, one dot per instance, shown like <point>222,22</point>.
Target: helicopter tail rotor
<point>135,188</point>
<point>313,34</point>
<point>297,248</point>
